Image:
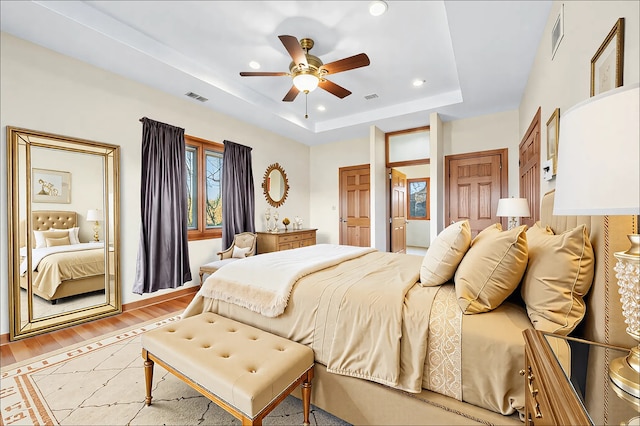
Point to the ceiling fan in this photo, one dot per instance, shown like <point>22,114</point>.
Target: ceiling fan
<point>309,72</point>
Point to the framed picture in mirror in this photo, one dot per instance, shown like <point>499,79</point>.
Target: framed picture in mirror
<point>51,186</point>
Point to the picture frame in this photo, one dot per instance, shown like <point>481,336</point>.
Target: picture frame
<point>608,62</point>
<point>418,203</point>
<point>553,133</point>
<point>50,186</point>
<point>557,33</point>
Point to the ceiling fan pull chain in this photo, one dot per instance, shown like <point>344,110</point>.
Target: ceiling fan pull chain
<point>306,98</point>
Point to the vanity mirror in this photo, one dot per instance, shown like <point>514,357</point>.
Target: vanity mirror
<point>63,231</point>
<point>275,185</point>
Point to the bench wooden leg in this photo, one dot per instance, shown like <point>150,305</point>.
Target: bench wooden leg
<point>306,396</point>
<point>148,375</point>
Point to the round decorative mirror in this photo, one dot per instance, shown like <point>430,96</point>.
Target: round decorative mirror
<point>275,185</point>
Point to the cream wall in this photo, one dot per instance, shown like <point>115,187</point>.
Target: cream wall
<point>43,90</point>
<point>564,81</point>
<point>325,197</point>
<point>487,132</point>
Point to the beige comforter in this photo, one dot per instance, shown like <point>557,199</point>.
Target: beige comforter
<point>58,267</point>
<point>368,318</point>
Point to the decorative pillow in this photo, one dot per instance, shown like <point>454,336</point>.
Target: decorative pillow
<point>559,274</point>
<point>239,253</point>
<point>445,253</point>
<point>492,268</point>
<point>73,234</point>
<point>41,236</point>
<point>58,241</point>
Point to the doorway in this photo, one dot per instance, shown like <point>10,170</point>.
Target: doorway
<point>355,211</point>
<point>474,182</point>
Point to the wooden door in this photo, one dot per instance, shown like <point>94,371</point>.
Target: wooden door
<point>355,210</point>
<point>529,163</point>
<point>474,183</point>
<point>398,212</point>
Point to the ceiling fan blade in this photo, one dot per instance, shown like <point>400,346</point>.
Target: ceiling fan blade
<point>334,89</point>
<point>262,74</point>
<point>295,50</point>
<point>291,95</point>
<point>346,64</point>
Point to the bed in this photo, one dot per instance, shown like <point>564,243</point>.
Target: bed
<point>65,269</point>
<point>394,351</point>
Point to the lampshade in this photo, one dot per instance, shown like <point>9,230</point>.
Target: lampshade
<point>305,82</point>
<point>513,207</point>
<point>598,156</point>
<point>94,215</point>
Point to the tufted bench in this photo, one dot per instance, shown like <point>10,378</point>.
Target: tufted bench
<point>244,370</point>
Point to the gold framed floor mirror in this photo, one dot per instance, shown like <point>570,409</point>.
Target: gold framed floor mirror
<point>63,231</point>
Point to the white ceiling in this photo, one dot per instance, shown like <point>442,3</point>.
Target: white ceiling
<point>474,56</point>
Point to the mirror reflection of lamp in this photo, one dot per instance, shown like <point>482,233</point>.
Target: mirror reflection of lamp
<point>95,216</point>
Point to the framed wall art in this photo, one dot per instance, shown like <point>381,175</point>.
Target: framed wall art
<point>553,132</point>
<point>608,62</point>
<point>51,186</point>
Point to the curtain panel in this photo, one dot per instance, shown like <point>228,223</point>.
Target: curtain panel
<point>238,199</point>
<point>163,252</point>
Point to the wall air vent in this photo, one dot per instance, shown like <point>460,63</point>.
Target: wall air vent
<point>196,97</point>
<point>371,96</point>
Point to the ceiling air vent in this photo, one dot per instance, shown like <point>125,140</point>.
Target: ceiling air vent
<point>371,96</point>
<point>196,97</point>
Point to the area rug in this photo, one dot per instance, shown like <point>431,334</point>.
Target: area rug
<point>102,383</point>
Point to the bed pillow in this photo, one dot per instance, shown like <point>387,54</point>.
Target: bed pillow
<point>58,241</point>
<point>445,253</point>
<point>41,236</point>
<point>559,274</point>
<point>492,268</point>
<point>73,234</point>
<point>240,253</point>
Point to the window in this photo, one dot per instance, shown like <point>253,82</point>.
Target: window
<point>418,200</point>
<point>204,196</point>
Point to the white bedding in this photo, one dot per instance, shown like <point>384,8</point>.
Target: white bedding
<point>40,253</point>
<point>263,283</point>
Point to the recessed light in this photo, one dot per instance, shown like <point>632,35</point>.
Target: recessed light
<point>254,65</point>
<point>418,83</point>
<point>321,108</point>
<point>378,7</point>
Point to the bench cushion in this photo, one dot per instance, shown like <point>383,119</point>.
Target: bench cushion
<point>242,365</point>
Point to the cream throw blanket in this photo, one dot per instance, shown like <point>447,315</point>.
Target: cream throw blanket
<point>263,283</point>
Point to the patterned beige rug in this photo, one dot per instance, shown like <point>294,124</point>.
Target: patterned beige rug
<point>102,383</point>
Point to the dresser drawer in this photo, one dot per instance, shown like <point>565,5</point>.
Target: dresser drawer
<point>286,240</point>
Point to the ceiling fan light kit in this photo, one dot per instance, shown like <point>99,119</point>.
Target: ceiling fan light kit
<point>308,72</point>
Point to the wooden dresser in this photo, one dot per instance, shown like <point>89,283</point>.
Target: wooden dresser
<point>285,240</point>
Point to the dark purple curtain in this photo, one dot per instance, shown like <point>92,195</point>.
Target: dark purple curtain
<point>238,200</point>
<point>163,253</point>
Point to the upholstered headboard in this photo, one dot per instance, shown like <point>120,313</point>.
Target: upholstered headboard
<point>43,220</point>
<point>603,321</point>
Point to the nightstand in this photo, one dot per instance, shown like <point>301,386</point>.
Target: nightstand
<point>567,382</point>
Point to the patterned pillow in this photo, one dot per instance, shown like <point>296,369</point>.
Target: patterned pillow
<point>559,274</point>
<point>445,253</point>
<point>492,268</point>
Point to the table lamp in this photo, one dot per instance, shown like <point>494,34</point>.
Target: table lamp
<point>95,216</point>
<point>598,174</point>
<point>512,208</point>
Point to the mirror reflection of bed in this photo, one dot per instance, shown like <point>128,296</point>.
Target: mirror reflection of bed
<point>68,269</point>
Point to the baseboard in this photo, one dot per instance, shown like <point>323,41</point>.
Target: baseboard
<point>159,298</point>
<point>4,338</point>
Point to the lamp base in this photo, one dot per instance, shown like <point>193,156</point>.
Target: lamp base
<point>624,373</point>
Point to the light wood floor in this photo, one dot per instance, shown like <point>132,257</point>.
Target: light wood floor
<point>34,346</point>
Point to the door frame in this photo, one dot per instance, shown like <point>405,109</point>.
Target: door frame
<point>504,177</point>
